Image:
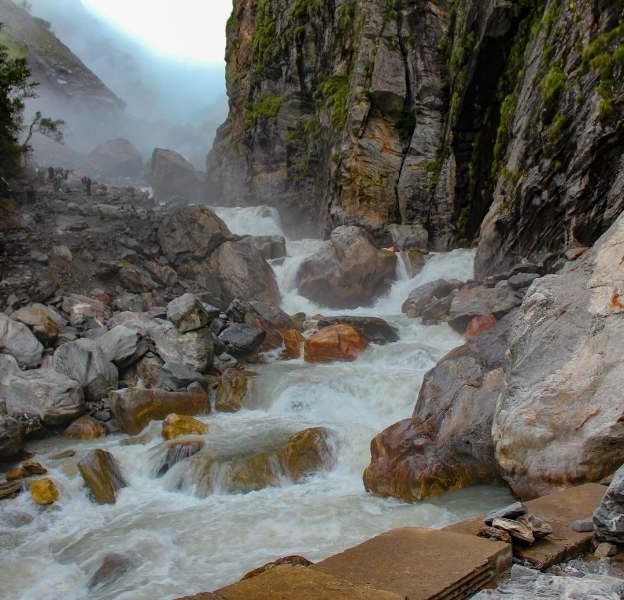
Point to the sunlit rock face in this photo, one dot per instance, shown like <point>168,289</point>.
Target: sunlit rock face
<point>440,114</point>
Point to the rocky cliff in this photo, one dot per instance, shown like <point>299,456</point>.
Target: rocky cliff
<point>497,120</point>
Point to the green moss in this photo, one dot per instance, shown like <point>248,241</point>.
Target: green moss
<point>334,93</point>
<point>557,128</point>
<point>266,107</point>
<point>553,86</point>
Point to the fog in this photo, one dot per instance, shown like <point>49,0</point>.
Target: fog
<point>170,102</point>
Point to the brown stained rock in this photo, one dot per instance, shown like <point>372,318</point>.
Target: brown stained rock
<point>306,452</point>
<point>479,325</point>
<point>336,343</point>
<point>85,428</point>
<point>294,560</point>
<point>179,425</point>
<point>135,408</point>
<point>231,390</point>
<point>44,492</point>
<point>414,260</point>
<point>373,329</point>
<point>28,468</point>
<point>10,489</point>
<point>101,473</point>
<point>293,344</point>
<point>64,454</point>
<point>270,319</point>
<point>40,319</point>
<point>494,533</point>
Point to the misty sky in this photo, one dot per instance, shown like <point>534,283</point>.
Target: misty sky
<point>187,29</point>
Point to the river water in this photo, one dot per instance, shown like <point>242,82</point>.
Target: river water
<point>179,543</point>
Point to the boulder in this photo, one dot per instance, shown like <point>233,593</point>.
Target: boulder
<point>44,492</point>
<point>43,320</point>
<point>43,393</point>
<point>479,325</point>
<point>406,237</point>
<point>177,376</point>
<point>270,319</point>
<point>231,390</point>
<point>414,261</point>
<point>244,273</point>
<point>117,158</point>
<point>242,340</point>
<point>187,313</point>
<point>293,343</point>
<point>11,436</point>
<point>179,425</point>
<point>17,340</point>
<point>373,329</point>
<point>470,302</point>
<point>135,408</point>
<point>84,361</point>
<point>270,247</point>
<point>427,295</point>
<point>609,516</point>
<point>194,349</point>
<point>349,271</point>
<point>101,474</point>
<point>338,342</point>
<point>85,428</point>
<point>136,280</point>
<point>175,180</point>
<point>123,346</point>
<point>83,310</point>
<point>189,234</point>
<point>559,417</point>
<point>446,444</point>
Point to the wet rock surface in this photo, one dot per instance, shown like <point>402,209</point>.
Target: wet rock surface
<point>101,474</point>
<point>337,342</point>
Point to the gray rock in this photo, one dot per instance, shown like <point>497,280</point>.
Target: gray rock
<point>513,511</point>
<point>194,349</point>
<point>175,180</point>
<point>270,247</point>
<point>11,436</point>
<point>349,271</point>
<point>409,236</point>
<point>122,345</point>
<point>421,299</point>
<point>242,340</point>
<point>177,376</point>
<point>117,158</point>
<point>606,550</point>
<point>609,516</point>
<point>582,525</point>
<point>45,394</point>
<point>83,310</point>
<point>17,340</point>
<point>522,280</point>
<point>187,313</point>
<point>84,361</point>
<point>113,566</point>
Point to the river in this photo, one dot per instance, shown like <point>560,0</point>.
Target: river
<point>180,543</point>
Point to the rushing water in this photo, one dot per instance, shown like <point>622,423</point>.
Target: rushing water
<point>181,544</point>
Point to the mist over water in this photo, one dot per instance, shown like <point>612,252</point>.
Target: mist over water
<point>181,543</point>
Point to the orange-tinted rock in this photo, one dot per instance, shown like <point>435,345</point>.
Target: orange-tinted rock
<point>340,342</point>
<point>293,343</point>
<point>306,452</point>
<point>178,425</point>
<point>26,469</point>
<point>232,388</point>
<point>101,473</point>
<point>39,319</point>
<point>136,407</point>
<point>479,325</point>
<point>85,428</point>
<point>294,560</point>
<point>44,492</point>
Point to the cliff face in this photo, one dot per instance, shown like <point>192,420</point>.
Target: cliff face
<point>496,117</point>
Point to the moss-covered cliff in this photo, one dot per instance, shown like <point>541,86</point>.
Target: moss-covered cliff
<point>496,117</point>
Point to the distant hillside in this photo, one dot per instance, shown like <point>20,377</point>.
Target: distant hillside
<point>58,70</point>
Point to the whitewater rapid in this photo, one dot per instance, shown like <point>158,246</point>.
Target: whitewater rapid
<point>181,544</point>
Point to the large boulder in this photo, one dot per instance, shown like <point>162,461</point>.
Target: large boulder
<point>422,299</point>
<point>175,180</point>
<point>85,362</point>
<point>270,319</point>
<point>244,273</point>
<point>373,329</point>
<point>17,340</point>
<point>241,340</point>
<point>336,343</point>
<point>42,393</point>
<point>11,436</point>
<point>187,313</point>
<point>349,271</point>
<point>190,234</point>
<point>609,516</point>
<point>122,345</point>
<point>194,349</point>
<point>134,408</point>
<point>102,475</point>
<point>270,247</point>
<point>446,444</point>
<point>559,419</point>
<point>117,158</point>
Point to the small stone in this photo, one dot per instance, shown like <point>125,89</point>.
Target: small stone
<point>606,550</point>
<point>582,525</point>
<point>10,489</point>
<point>64,454</point>
<point>85,428</point>
<point>479,325</point>
<point>26,469</point>
<point>178,425</point>
<point>517,509</point>
<point>493,533</point>
<point>540,528</point>
<point>101,473</point>
<point>518,530</point>
<point>44,492</point>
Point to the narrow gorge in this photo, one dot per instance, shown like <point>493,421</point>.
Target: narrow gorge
<point>375,346</point>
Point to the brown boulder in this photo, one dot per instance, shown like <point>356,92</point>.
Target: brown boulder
<point>101,473</point>
<point>134,408</point>
<point>231,390</point>
<point>374,329</point>
<point>349,271</point>
<point>44,492</point>
<point>479,325</point>
<point>338,342</point>
<point>41,319</point>
<point>85,428</point>
<point>179,425</point>
<point>294,560</point>
<point>28,468</point>
<point>293,343</point>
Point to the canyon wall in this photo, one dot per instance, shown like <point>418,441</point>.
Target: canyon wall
<point>495,121</point>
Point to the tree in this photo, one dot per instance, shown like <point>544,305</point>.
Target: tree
<point>52,128</point>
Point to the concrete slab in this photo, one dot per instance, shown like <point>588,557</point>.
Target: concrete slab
<point>422,564</point>
<point>297,583</point>
<point>559,509</point>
